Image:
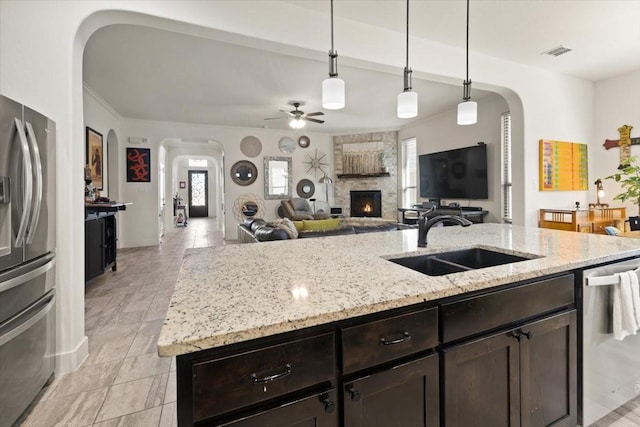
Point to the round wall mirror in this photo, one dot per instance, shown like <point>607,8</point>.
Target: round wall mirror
<point>244,173</point>
<point>304,141</point>
<point>305,188</point>
<point>249,209</point>
<point>287,145</point>
<point>251,146</point>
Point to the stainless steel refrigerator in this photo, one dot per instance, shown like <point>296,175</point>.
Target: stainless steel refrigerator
<point>27,256</point>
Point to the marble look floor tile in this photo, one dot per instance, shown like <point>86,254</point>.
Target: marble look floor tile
<point>86,378</point>
<point>109,351</point>
<point>73,410</point>
<point>111,334</point>
<point>146,418</point>
<point>142,366</point>
<point>133,396</point>
<point>151,327</point>
<point>143,344</point>
<point>172,389</point>
<point>174,364</point>
<point>169,416</point>
<point>156,313</point>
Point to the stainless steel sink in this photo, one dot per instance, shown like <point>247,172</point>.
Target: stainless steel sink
<point>442,263</point>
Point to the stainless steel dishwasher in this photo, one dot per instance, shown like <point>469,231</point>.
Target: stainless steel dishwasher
<point>611,368</point>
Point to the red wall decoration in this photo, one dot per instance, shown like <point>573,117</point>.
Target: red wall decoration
<point>138,165</point>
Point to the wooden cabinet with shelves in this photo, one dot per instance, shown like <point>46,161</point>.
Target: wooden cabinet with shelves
<point>585,221</point>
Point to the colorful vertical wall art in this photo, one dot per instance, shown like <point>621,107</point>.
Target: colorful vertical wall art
<point>563,166</point>
<point>138,165</point>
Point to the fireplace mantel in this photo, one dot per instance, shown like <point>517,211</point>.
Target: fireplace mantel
<point>363,175</point>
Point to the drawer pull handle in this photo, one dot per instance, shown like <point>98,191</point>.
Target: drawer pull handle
<point>269,378</point>
<point>355,394</point>
<point>404,338</point>
<point>329,406</point>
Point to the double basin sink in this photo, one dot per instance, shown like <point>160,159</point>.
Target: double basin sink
<point>439,264</point>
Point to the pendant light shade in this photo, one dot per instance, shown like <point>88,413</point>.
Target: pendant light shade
<point>333,93</point>
<point>333,87</point>
<point>407,99</point>
<point>467,110</point>
<point>407,105</point>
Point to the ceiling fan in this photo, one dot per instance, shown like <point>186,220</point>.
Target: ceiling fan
<point>298,117</point>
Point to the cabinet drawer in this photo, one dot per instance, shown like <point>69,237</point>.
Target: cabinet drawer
<point>384,340</point>
<point>482,313</point>
<point>230,383</point>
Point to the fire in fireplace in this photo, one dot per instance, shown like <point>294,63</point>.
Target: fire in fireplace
<point>366,203</point>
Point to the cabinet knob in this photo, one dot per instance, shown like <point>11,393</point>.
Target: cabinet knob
<point>329,406</point>
<point>517,335</point>
<point>355,394</point>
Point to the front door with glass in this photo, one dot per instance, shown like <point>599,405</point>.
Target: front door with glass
<point>198,194</point>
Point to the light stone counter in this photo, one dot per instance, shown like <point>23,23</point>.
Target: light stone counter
<point>235,293</point>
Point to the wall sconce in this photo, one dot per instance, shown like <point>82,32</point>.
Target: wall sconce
<point>599,193</point>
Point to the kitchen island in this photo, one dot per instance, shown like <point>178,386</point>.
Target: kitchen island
<point>242,299</point>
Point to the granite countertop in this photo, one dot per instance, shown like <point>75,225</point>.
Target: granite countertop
<point>234,293</point>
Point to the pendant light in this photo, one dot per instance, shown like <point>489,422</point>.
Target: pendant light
<point>407,99</point>
<point>467,110</point>
<point>333,87</point>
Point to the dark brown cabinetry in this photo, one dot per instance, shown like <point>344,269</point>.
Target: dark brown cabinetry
<point>524,375</point>
<point>406,395</point>
<point>100,244</point>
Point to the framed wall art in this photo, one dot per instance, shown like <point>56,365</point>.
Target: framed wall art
<point>95,157</point>
<point>563,166</point>
<point>138,164</point>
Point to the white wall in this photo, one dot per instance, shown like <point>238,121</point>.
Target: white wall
<point>439,133</point>
<point>42,68</point>
<point>617,103</point>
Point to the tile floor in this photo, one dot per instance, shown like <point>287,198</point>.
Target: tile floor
<point>123,382</point>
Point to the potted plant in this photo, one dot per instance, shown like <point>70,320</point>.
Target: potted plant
<point>629,180</point>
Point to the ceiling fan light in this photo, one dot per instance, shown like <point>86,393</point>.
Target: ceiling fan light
<point>296,123</point>
<point>333,93</point>
<point>407,104</point>
<point>467,113</point>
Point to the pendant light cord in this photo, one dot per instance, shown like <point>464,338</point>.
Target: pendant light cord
<point>332,26</point>
<point>407,33</point>
<point>467,40</point>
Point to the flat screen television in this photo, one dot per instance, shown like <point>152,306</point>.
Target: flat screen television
<point>455,174</point>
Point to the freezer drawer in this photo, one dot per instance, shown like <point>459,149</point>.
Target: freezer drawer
<point>22,286</point>
<point>27,357</point>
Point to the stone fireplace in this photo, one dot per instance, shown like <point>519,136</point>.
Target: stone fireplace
<point>386,183</point>
<point>366,203</point>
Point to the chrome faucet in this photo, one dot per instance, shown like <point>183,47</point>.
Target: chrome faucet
<point>424,226</point>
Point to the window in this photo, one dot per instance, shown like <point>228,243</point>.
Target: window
<point>506,167</point>
<point>197,163</point>
<point>409,172</point>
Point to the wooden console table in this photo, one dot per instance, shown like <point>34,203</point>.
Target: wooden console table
<point>584,221</point>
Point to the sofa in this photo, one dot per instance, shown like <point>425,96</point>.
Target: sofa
<point>259,230</point>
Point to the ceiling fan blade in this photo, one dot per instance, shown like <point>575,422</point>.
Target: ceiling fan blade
<point>313,120</point>
<point>275,118</point>
<point>317,113</point>
<point>287,112</point>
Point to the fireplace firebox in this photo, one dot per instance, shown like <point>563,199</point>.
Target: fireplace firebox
<point>366,203</point>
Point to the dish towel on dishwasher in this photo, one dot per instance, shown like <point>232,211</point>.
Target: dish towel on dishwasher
<point>626,305</point>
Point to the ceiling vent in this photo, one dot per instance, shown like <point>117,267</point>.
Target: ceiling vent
<point>557,51</point>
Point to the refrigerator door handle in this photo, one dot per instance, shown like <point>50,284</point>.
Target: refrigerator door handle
<point>17,281</point>
<point>5,190</point>
<point>37,172</point>
<point>27,190</point>
<point>29,323</point>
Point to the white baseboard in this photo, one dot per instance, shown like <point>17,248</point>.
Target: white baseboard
<point>70,361</point>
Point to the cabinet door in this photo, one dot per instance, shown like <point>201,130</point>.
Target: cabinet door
<point>406,395</point>
<point>93,248</point>
<point>110,241</point>
<point>314,411</point>
<point>549,364</point>
<point>482,383</point>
